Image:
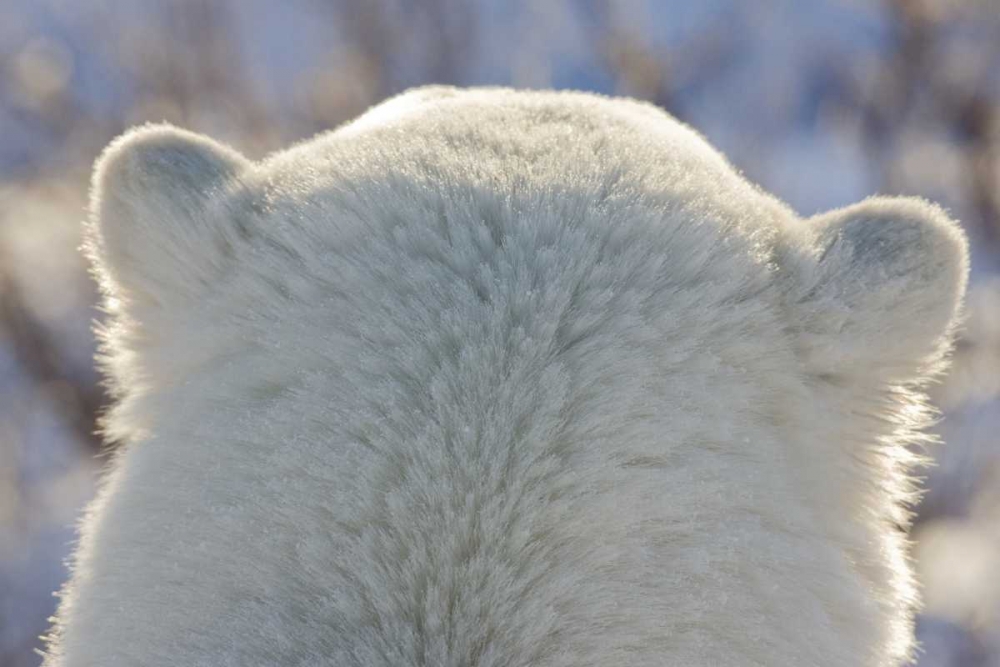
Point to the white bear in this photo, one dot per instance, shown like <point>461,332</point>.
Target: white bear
<point>491,378</point>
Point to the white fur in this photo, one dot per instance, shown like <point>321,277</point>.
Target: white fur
<point>501,379</point>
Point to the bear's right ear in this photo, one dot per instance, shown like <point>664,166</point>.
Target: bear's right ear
<point>879,288</point>
<point>159,228</point>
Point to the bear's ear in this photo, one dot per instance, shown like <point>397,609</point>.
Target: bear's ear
<point>880,288</point>
<point>159,227</point>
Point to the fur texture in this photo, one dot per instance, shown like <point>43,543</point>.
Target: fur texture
<point>501,379</point>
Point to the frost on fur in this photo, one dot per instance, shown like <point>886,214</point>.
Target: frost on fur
<point>501,379</point>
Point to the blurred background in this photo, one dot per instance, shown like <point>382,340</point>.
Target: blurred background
<point>822,102</point>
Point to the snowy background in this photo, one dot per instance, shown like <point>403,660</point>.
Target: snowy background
<point>821,101</point>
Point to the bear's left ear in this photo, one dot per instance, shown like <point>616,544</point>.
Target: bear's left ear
<point>159,226</point>
<point>880,288</point>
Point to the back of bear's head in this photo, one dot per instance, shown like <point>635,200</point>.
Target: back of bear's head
<point>500,378</point>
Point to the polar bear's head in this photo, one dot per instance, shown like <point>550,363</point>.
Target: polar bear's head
<point>499,378</point>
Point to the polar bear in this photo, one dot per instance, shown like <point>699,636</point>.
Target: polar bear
<point>490,378</point>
